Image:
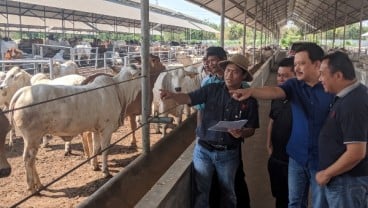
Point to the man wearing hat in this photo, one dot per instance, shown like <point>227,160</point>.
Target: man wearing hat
<point>216,150</point>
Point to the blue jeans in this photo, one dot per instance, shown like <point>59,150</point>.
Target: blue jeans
<point>347,191</point>
<point>300,178</point>
<point>205,162</point>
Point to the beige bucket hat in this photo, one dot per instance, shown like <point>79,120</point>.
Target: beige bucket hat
<point>241,61</point>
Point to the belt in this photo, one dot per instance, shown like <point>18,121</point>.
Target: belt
<point>218,147</point>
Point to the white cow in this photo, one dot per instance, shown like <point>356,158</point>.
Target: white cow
<point>116,59</point>
<point>59,56</point>
<point>66,117</point>
<point>68,67</point>
<point>2,76</point>
<point>71,79</point>
<point>174,81</point>
<point>6,45</point>
<point>134,109</point>
<point>83,50</point>
<point>15,79</point>
<point>38,78</point>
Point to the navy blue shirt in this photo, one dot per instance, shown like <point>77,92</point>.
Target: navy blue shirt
<point>221,107</point>
<point>347,122</point>
<point>310,107</point>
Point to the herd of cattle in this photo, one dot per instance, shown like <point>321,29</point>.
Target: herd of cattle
<point>58,107</point>
<point>78,49</point>
<point>107,107</point>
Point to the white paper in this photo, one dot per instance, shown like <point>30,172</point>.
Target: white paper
<point>225,125</point>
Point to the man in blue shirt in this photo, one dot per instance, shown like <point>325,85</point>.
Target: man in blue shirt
<point>215,150</point>
<point>310,106</point>
<point>343,138</point>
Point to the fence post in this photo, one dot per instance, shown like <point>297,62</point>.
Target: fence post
<point>126,60</point>
<point>104,62</point>
<point>41,51</point>
<point>96,58</point>
<point>51,68</point>
<point>33,49</point>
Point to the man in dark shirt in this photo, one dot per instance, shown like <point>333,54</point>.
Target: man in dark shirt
<point>343,138</point>
<point>216,150</point>
<point>278,133</point>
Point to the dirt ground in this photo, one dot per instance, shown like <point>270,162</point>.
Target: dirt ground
<point>51,163</point>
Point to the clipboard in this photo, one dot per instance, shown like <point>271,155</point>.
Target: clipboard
<point>224,126</point>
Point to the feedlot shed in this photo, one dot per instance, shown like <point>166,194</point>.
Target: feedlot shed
<point>78,15</point>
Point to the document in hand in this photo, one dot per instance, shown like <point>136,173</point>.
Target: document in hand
<point>225,125</point>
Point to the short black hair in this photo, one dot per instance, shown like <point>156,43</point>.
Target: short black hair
<point>287,62</point>
<point>340,61</point>
<point>315,52</point>
<point>216,51</point>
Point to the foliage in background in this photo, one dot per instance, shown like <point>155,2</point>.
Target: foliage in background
<point>233,35</point>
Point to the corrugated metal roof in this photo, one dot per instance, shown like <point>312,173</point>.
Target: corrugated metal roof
<point>311,15</point>
<point>205,27</point>
<point>91,12</point>
<point>54,25</point>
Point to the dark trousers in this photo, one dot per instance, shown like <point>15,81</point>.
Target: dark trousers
<point>241,189</point>
<point>278,171</point>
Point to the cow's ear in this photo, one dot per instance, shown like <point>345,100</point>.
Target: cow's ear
<point>17,75</point>
<point>191,74</point>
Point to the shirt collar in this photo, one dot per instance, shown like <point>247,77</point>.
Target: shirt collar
<point>348,89</point>
<point>304,84</point>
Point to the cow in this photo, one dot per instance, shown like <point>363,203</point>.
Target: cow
<point>175,80</point>
<point>13,53</point>
<point>83,50</point>
<point>6,44</point>
<point>26,44</point>
<point>59,56</point>
<point>15,79</point>
<point>134,109</point>
<point>5,168</point>
<point>2,76</point>
<point>71,79</point>
<point>104,107</point>
<point>62,69</point>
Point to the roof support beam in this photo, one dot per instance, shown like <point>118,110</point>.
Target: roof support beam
<point>334,30</point>
<point>245,27</point>
<point>222,43</point>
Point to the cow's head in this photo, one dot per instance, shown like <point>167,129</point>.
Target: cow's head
<point>15,79</point>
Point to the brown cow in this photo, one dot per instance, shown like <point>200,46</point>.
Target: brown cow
<point>13,53</point>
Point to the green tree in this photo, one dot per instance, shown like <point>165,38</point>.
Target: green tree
<point>235,31</point>
<point>290,34</point>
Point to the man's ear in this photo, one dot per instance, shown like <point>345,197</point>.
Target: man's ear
<point>317,64</point>
<point>339,75</point>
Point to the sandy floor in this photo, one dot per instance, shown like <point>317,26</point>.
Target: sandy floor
<point>51,163</point>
